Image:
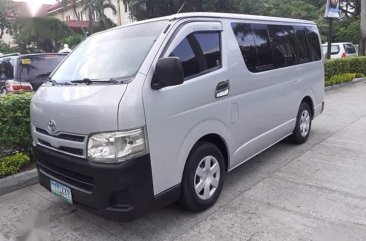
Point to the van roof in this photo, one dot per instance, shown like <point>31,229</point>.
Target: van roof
<point>236,16</point>
<point>214,15</point>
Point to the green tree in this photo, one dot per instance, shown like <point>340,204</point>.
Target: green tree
<point>73,40</point>
<point>6,8</point>
<point>145,9</point>
<point>43,34</point>
<point>72,3</point>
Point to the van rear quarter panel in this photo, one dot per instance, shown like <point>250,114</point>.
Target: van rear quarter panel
<point>267,101</point>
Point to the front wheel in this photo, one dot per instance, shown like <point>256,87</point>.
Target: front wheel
<point>303,124</point>
<point>203,177</point>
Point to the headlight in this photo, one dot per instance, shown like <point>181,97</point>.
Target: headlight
<point>116,147</point>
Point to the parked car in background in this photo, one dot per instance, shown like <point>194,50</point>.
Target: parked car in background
<point>26,72</point>
<point>340,50</point>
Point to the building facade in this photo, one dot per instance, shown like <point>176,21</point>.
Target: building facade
<point>80,19</point>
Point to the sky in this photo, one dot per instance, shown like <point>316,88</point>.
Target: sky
<point>35,4</point>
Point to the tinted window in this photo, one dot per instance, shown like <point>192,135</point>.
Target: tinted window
<point>187,57</point>
<point>349,49</point>
<point>313,43</point>
<point>301,45</point>
<point>210,46</point>
<point>283,45</point>
<point>245,37</point>
<point>6,69</point>
<point>199,52</point>
<point>38,66</point>
<point>264,57</point>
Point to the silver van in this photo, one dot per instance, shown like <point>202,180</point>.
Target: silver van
<point>170,105</point>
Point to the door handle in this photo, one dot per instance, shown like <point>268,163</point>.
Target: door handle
<point>222,89</point>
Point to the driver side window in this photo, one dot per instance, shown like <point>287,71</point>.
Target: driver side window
<point>200,53</point>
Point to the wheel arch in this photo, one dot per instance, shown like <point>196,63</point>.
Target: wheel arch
<point>308,100</point>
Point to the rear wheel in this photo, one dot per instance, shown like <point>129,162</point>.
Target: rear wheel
<point>203,177</point>
<point>303,124</point>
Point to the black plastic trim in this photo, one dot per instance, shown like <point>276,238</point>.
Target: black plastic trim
<point>121,191</point>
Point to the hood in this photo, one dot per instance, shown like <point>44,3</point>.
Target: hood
<point>81,109</point>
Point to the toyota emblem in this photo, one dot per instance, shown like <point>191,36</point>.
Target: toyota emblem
<point>52,126</point>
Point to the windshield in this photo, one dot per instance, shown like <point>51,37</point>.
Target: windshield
<point>38,66</point>
<point>114,54</point>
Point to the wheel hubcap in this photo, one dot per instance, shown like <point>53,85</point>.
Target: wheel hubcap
<point>304,123</point>
<point>207,177</point>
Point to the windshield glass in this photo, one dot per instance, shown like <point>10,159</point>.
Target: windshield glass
<point>117,53</point>
<point>38,66</point>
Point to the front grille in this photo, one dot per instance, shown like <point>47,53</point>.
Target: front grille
<point>75,179</point>
<point>70,150</point>
<point>67,137</point>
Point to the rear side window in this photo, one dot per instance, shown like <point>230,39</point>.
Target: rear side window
<point>349,49</point>
<point>199,53</point>
<point>301,45</point>
<point>265,47</point>
<point>261,40</point>
<point>313,43</point>
<point>245,37</point>
<point>334,49</point>
<point>283,45</point>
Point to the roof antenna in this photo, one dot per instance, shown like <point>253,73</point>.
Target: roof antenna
<point>180,8</point>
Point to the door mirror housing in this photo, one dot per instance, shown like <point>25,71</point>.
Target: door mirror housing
<point>168,72</point>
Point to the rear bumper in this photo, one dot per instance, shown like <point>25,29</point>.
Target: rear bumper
<point>118,191</point>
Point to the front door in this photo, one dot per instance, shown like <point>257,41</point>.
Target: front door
<point>175,114</point>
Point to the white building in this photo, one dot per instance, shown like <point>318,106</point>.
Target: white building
<point>81,18</point>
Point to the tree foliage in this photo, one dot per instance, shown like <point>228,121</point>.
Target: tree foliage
<point>42,34</point>
<point>6,8</point>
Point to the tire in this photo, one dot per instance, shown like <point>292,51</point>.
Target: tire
<point>208,182</point>
<point>303,124</point>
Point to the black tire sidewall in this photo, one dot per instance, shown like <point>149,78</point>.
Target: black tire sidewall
<point>297,137</point>
<point>190,199</point>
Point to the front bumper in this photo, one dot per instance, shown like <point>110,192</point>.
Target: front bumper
<point>118,191</point>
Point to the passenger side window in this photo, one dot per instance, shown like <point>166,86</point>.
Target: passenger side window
<point>261,40</point>
<point>199,52</point>
<point>245,37</point>
<point>313,43</point>
<point>301,46</point>
<point>283,45</point>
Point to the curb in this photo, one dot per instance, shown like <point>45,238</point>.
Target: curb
<point>335,87</point>
<point>18,181</point>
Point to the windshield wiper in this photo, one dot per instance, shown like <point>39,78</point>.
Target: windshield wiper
<point>57,83</point>
<point>43,75</point>
<point>88,81</point>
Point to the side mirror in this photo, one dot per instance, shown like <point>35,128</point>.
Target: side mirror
<point>168,72</point>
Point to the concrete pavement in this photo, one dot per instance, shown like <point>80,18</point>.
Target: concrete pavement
<point>316,191</point>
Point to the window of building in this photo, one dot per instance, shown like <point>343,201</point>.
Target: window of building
<point>125,7</point>
<point>199,53</point>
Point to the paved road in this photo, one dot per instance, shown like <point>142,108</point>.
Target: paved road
<point>316,191</point>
